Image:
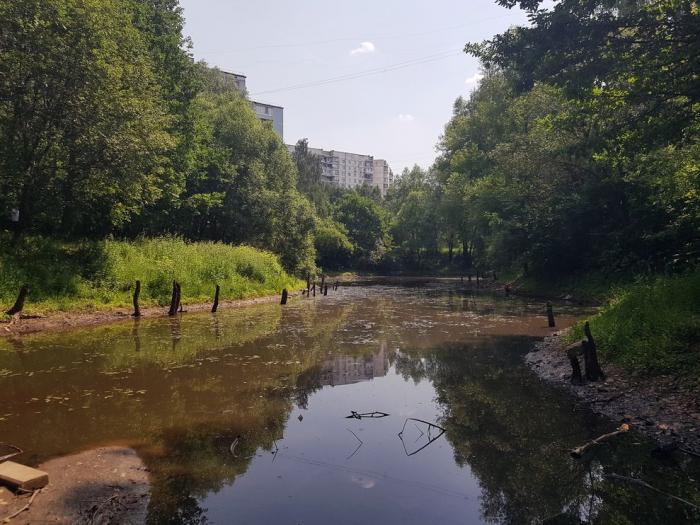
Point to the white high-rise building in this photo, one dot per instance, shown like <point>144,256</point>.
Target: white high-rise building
<point>350,170</point>
<point>269,113</point>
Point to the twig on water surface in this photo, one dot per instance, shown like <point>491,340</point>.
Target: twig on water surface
<point>374,415</point>
<point>641,483</point>
<point>580,451</point>
<point>358,446</point>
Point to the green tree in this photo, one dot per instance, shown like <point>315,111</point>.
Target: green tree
<point>84,139</point>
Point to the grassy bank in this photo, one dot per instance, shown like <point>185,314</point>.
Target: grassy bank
<point>652,326</point>
<point>101,275</point>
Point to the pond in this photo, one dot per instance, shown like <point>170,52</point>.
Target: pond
<point>257,415</point>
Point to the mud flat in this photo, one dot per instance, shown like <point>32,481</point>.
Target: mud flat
<point>107,485</point>
<point>663,407</point>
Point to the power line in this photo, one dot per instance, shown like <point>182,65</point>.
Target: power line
<point>369,72</point>
<point>357,38</point>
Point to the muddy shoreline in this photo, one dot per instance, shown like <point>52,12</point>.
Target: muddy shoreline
<point>663,408</point>
<point>81,319</point>
<point>107,485</point>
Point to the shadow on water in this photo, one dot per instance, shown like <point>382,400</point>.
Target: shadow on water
<point>242,416</point>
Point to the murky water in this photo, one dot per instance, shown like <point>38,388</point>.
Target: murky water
<point>242,416</point>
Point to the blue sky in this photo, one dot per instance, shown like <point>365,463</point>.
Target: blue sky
<point>397,113</point>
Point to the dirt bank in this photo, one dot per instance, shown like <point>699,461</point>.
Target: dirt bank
<point>663,407</point>
<point>68,320</point>
<point>108,485</point>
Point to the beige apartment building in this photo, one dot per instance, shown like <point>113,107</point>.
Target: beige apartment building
<point>350,170</point>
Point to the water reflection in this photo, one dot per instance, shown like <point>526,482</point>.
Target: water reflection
<point>275,385</point>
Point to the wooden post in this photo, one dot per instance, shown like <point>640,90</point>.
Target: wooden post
<point>325,290</point>
<point>323,282</point>
<point>284,297</point>
<point>19,303</point>
<point>137,292</point>
<point>469,277</point>
<point>313,289</point>
<point>550,315</point>
<point>335,286</point>
<point>308,282</point>
<point>215,306</point>
<point>174,300</point>
<point>590,355</point>
<point>179,297</point>
<point>573,351</point>
<point>461,279</point>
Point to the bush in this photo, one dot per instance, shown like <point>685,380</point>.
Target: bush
<point>653,326</point>
<point>102,274</point>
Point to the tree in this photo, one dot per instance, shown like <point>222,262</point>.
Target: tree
<point>84,139</point>
<point>366,224</point>
<point>334,249</point>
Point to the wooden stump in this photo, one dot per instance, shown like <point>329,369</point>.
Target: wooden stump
<point>19,303</point>
<point>215,306</point>
<point>590,355</point>
<point>137,293</point>
<point>284,297</point>
<point>174,299</point>
<point>550,315</point>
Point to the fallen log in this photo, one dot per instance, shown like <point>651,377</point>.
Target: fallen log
<point>578,452</point>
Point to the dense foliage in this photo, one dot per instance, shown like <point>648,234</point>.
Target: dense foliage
<point>578,151</point>
<point>107,126</point>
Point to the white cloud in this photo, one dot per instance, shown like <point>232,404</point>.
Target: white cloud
<point>474,79</point>
<point>406,117</point>
<point>365,47</point>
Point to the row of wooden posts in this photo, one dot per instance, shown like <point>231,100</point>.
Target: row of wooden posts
<point>176,298</point>
<point>479,276</point>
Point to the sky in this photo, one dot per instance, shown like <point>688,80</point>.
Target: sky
<point>376,77</point>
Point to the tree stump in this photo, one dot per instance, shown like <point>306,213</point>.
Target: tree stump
<point>590,355</point>
<point>19,303</point>
<point>137,293</point>
<point>174,299</point>
<point>572,352</point>
<point>550,315</point>
<point>215,306</point>
<point>284,297</point>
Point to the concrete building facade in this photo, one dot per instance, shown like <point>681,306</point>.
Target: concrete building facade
<point>267,113</point>
<point>351,170</point>
<point>383,176</point>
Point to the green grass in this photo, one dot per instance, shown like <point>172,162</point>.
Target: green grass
<point>652,327</point>
<point>101,274</point>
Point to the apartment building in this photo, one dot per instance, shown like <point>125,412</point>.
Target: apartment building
<point>383,176</point>
<point>268,113</point>
<point>350,170</point>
